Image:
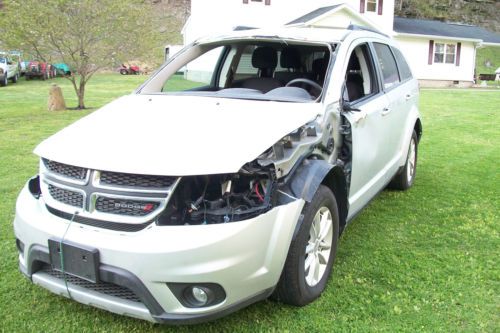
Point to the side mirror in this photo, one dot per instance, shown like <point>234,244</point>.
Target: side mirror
<point>347,107</point>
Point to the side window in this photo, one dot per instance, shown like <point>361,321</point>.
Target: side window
<point>197,74</point>
<point>404,69</point>
<point>360,78</point>
<point>387,65</point>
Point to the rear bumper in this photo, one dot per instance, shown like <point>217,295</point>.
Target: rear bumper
<point>245,258</point>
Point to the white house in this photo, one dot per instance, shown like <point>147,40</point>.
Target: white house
<point>440,54</point>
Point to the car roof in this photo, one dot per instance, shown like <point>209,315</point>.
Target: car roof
<point>304,34</point>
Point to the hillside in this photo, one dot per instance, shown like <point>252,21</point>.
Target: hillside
<point>485,13</point>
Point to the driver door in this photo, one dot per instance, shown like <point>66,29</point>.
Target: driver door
<point>371,152</point>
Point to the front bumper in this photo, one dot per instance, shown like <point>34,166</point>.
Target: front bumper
<point>246,258</point>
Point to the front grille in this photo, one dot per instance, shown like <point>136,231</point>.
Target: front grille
<point>67,197</point>
<point>125,207</point>
<point>132,180</point>
<point>66,170</point>
<point>106,288</point>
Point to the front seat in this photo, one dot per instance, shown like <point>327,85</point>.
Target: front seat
<point>354,80</point>
<point>289,59</point>
<point>265,59</point>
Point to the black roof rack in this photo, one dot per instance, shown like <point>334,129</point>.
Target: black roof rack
<point>354,27</point>
<point>242,27</point>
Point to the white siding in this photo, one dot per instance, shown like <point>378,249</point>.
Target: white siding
<point>416,51</point>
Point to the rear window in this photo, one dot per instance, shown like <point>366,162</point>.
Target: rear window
<point>387,64</point>
<point>404,69</point>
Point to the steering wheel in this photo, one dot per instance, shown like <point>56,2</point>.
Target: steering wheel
<point>311,83</point>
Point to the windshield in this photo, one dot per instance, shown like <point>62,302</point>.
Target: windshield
<point>277,71</point>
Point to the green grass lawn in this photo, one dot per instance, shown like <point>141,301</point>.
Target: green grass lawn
<point>422,261</point>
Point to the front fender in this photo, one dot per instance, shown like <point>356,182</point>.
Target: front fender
<point>308,177</point>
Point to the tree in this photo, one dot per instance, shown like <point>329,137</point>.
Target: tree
<point>87,35</point>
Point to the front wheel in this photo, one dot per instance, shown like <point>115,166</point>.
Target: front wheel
<point>406,177</point>
<point>312,253</point>
<point>5,81</point>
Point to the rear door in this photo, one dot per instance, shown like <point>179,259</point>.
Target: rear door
<point>398,110</point>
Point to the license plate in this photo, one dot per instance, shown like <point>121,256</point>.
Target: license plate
<point>79,261</point>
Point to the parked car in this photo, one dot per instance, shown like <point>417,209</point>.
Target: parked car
<point>62,69</point>
<point>183,205</point>
<point>129,70</point>
<point>24,66</point>
<point>9,70</point>
<point>37,69</point>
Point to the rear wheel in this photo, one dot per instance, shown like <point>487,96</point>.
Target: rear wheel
<point>15,78</point>
<point>123,72</point>
<point>312,252</point>
<point>406,177</point>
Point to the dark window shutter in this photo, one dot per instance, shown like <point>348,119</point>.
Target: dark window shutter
<point>380,7</point>
<point>459,49</point>
<point>268,2</point>
<point>245,1</point>
<point>362,6</point>
<point>431,51</point>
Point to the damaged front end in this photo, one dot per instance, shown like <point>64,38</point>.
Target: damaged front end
<point>275,178</point>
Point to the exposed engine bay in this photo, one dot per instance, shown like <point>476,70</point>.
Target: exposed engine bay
<point>220,198</point>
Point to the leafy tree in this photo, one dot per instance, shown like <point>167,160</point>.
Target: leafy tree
<point>87,35</point>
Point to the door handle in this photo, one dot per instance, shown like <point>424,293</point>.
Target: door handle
<point>386,111</point>
<point>408,97</point>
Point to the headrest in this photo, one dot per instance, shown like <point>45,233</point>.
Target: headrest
<point>319,65</point>
<point>264,57</point>
<point>354,63</point>
<point>290,58</point>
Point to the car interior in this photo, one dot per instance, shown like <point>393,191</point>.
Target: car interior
<point>276,70</point>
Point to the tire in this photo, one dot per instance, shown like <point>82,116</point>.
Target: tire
<point>405,178</point>
<point>5,81</point>
<point>15,78</point>
<point>298,285</point>
<point>123,72</point>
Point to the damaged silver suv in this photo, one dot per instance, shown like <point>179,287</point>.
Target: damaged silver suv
<point>224,179</point>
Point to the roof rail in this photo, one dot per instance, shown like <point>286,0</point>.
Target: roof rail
<point>242,27</point>
<point>354,27</point>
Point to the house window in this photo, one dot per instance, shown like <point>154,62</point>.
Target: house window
<point>371,5</point>
<point>444,53</point>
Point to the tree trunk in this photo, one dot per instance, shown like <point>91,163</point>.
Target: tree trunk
<point>81,95</point>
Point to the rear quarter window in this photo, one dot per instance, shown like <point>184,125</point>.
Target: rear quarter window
<point>387,63</point>
<point>404,69</point>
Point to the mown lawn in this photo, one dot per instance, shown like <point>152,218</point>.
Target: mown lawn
<point>422,261</point>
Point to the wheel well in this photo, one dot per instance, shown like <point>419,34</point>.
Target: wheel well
<point>418,129</point>
<point>335,180</point>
